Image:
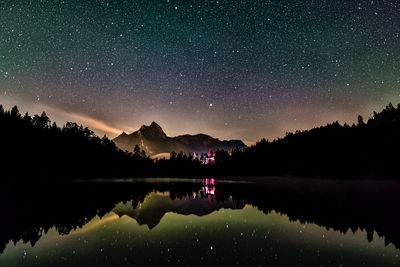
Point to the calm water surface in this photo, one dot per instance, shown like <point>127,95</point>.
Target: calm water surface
<point>274,222</point>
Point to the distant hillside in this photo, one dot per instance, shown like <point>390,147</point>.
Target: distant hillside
<point>153,140</point>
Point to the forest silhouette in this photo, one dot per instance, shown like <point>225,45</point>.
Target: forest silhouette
<point>36,148</point>
<point>362,150</point>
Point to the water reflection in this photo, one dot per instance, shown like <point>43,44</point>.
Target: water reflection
<point>208,188</point>
<point>156,205</point>
<point>283,221</point>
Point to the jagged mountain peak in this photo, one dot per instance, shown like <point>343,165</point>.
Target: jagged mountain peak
<point>153,130</point>
<point>154,141</point>
<point>153,125</point>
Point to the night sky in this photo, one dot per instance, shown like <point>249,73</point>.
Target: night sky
<point>232,69</point>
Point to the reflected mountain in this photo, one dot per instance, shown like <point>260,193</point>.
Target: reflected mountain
<point>32,211</point>
<point>343,206</point>
<point>155,206</point>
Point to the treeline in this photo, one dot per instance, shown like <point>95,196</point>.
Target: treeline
<point>180,164</point>
<point>362,150</point>
<point>35,148</point>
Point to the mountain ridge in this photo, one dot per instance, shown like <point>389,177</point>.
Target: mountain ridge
<point>153,140</point>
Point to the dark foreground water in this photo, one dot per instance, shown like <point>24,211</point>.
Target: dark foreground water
<point>205,222</point>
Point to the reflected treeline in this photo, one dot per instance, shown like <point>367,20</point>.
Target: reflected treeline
<point>342,206</point>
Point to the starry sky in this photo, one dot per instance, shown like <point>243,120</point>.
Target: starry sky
<point>232,69</point>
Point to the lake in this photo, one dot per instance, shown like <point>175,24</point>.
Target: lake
<point>197,222</point>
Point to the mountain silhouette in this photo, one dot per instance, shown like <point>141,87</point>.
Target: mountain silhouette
<point>153,140</point>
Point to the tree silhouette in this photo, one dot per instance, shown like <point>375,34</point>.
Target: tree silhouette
<point>136,151</point>
<point>15,113</point>
<point>41,121</point>
<point>143,153</point>
<point>360,121</point>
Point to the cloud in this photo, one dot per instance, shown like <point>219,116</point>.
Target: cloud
<point>61,116</point>
<point>90,122</point>
<point>94,123</point>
